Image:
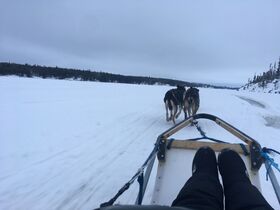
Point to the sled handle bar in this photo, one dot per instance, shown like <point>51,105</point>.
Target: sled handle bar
<point>255,147</point>
<point>239,134</point>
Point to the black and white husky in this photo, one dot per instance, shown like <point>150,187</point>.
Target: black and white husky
<point>174,101</point>
<point>191,102</point>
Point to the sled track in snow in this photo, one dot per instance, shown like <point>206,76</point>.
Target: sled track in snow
<point>272,121</point>
<point>252,102</point>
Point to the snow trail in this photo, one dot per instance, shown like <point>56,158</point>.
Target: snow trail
<point>252,102</point>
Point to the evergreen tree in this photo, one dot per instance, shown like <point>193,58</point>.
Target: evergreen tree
<point>278,70</point>
<point>272,73</point>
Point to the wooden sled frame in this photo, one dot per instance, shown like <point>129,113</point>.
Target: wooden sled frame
<point>251,145</point>
<point>253,148</point>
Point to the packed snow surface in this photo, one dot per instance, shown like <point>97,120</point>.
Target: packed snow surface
<point>72,145</point>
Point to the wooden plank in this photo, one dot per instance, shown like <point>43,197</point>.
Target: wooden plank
<point>178,127</point>
<point>234,132</point>
<point>186,144</point>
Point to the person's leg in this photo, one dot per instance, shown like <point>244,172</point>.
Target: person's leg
<point>203,190</point>
<point>239,192</point>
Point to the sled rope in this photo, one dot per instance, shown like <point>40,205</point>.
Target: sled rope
<point>268,150</point>
<point>264,153</point>
<point>138,175</point>
<point>271,163</point>
<point>203,135</point>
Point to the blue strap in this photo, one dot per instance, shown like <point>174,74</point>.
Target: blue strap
<point>271,162</point>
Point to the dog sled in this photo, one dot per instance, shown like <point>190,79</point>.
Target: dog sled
<point>173,154</point>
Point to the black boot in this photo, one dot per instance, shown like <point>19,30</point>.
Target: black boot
<point>205,161</point>
<point>239,192</point>
<point>203,190</point>
<point>232,168</point>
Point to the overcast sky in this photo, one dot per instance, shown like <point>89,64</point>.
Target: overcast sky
<point>214,41</point>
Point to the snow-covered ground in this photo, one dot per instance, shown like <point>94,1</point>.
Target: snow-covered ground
<point>72,145</point>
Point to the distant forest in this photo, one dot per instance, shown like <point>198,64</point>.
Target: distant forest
<point>268,76</point>
<point>44,72</point>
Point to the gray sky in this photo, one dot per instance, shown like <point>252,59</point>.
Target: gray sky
<point>213,41</point>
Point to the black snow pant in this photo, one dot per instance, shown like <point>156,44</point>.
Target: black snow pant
<point>203,192</point>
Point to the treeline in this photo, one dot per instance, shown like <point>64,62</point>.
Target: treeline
<point>27,70</point>
<point>266,77</point>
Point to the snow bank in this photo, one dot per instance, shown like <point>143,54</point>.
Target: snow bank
<point>272,87</point>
